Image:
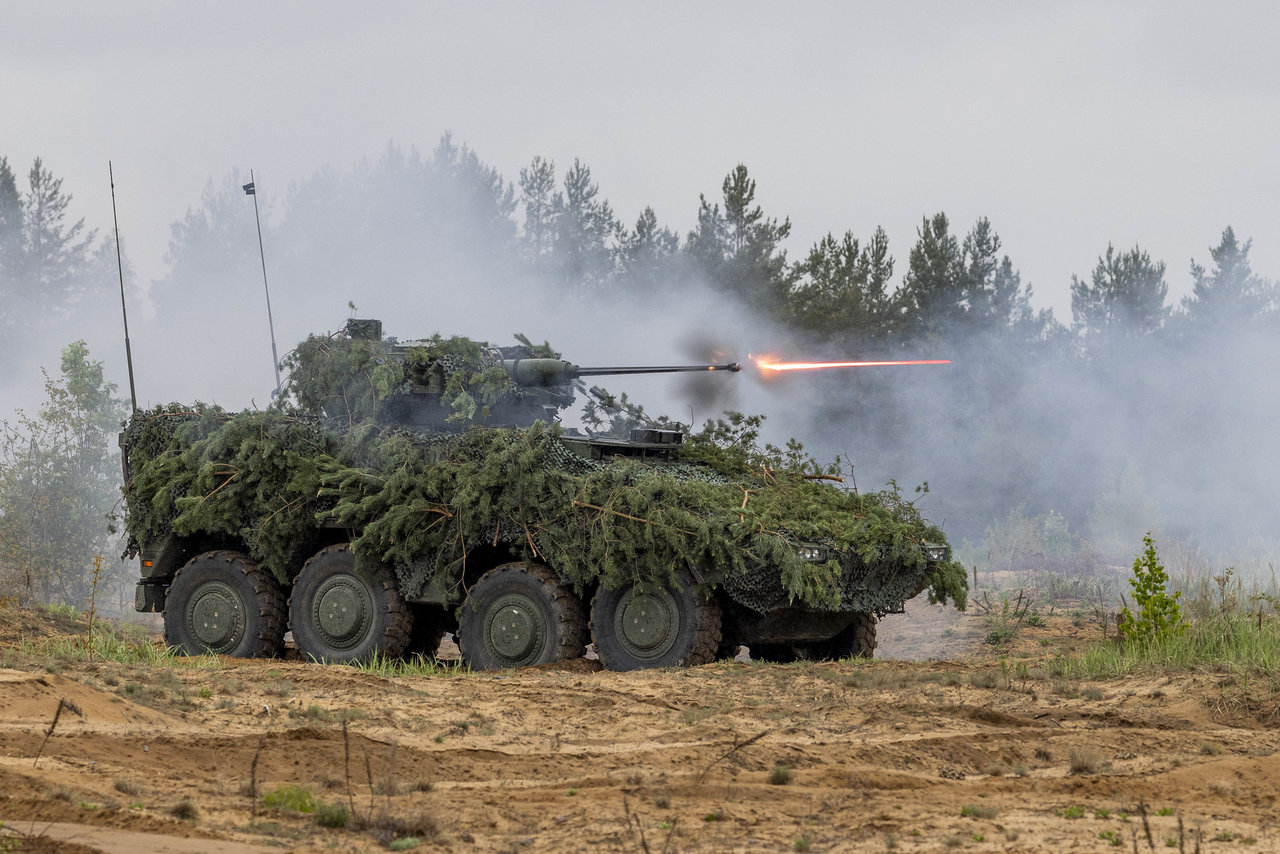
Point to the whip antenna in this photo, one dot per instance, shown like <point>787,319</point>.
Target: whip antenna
<point>128,351</point>
<point>250,189</point>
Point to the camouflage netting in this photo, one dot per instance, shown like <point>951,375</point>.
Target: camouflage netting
<point>422,501</point>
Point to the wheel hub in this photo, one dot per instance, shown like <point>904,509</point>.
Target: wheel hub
<point>647,623</point>
<point>216,617</point>
<point>343,611</point>
<point>514,629</point>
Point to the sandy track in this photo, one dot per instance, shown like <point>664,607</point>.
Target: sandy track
<point>885,755</point>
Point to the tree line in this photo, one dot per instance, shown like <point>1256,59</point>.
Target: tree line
<point>1090,422</point>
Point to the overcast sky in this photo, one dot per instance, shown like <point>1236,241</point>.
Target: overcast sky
<point>1067,124</point>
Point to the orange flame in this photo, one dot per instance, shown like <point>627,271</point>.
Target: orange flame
<point>767,364</point>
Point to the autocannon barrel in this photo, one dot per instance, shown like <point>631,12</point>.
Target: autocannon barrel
<point>547,372</point>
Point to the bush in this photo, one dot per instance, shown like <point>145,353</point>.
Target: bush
<point>1159,615</point>
<point>331,815</point>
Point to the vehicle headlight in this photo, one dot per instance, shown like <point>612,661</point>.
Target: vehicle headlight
<point>812,554</point>
<point>934,552</point>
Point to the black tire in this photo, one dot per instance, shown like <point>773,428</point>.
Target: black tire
<point>857,640</point>
<point>634,629</point>
<point>341,612</point>
<point>223,603</point>
<point>519,614</point>
<point>430,622</point>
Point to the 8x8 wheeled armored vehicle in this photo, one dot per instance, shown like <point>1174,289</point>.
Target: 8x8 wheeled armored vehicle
<point>413,488</point>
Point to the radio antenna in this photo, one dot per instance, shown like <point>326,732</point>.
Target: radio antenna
<point>251,189</point>
<point>128,351</point>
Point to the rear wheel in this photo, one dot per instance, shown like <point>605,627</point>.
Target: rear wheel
<point>635,628</point>
<point>520,614</point>
<point>857,640</point>
<point>222,602</point>
<point>341,612</point>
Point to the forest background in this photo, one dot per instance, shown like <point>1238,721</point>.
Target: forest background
<point>1048,442</point>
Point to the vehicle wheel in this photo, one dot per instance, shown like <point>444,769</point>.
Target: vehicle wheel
<point>430,622</point>
<point>341,612</point>
<point>655,626</point>
<point>520,614</point>
<point>857,640</point>
<point>224,603</point>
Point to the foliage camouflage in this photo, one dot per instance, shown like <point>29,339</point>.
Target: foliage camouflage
<point>421,501</point>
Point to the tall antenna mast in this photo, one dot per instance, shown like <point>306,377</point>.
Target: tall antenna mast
<point>251,190</point>
<point>128,351</point>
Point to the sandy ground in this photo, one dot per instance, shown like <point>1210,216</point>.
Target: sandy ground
<point>943,744</point>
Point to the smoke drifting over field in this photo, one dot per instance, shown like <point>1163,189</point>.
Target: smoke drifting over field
<point>1172,435</point>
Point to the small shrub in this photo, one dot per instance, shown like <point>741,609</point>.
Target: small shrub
<point>331,815</point>
<point>801,844</point>
<point>1159,615</point>
<point>780,775</point>
<point>977,811</point>
<point>185,810</point>
<point>1073,811</point>
<point>1084,760</point>
<point>290,798</point>
<point>127,787</point>
<point>404,843</point>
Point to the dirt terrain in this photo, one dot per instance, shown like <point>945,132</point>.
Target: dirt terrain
<point>945,743</point>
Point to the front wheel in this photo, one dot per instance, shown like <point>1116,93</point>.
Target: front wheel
<point>342,612</point>
<point>520,614</point>
<point>223,603</point>
<point>635,628</point>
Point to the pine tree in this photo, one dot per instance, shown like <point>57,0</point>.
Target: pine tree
<point>1123,299</point>
<point>842,291</point>
<point>740,250</point>
<point>1230,292</point>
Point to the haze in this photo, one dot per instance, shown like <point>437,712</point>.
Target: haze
<point>1070,126</point>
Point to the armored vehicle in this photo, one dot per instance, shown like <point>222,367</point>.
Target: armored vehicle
<point>406,489</point>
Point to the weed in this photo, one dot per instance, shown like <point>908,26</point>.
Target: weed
<point>1165,811</point>
<point>290,798</point>
<point>1073,811</point>
<point>185,809</point>
<point>662,802</point>
<point>404,843</point>
<point>278,688</point>
<point>801,844</point>
<point>1085,760</point>
<point>127,787</point>
<point>977,811</point>
<point>1111,837</point>
<point>331,815</point>
<point>572,792</point>
<point>978,837</point>
<point>1102,813</point>
<point>714,815</point>
<point>1209,748</point>
<point>780,775</point>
